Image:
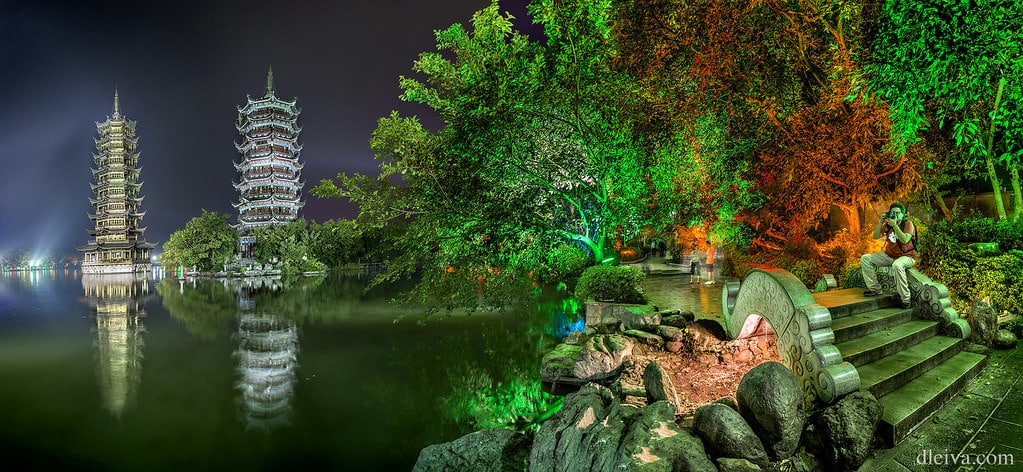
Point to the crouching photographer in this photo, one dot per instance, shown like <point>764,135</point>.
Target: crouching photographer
<point>899,252</point>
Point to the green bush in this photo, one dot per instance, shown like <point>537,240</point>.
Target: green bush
<point>807,271</point>
<point>1001,278</point>
<point>1008,234</point>
<point>611,283</point>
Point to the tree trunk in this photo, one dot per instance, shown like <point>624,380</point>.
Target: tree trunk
<point>999,204</point>
<point>989,155</point>
<point>945,212</point>
<point>1017,194</point>
<point>852,216</point>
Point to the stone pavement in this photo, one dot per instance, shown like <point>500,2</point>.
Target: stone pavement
<point>980,429</point>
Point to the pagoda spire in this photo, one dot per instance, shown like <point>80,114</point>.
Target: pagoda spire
<point>117,107</point>
<point>270,82</point>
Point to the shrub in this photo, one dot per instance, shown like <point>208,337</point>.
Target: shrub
<point>1008,234</point>
<point>1001,278</point>
<point>807,271</point>
<point>611,283</point>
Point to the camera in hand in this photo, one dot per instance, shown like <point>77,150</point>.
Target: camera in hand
<point>886,215</point>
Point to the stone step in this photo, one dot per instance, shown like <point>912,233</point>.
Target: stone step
<point>850,301</point>
<point>911,404</point>
<point>862,324</point>
<point>869,348</point>
<point>887,374</point>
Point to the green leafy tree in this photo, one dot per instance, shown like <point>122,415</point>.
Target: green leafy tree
<point>206,242</point>
<point>336,242</point>
<point>288,245</point>
<point>541,142</point>
<point>962,63</point>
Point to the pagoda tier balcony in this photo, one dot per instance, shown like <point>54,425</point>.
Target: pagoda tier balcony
<point>277,173</point>
<point>271,209</point>
<point>270,133</point>
<point>247,205</point>
<point>269,160</point>
<point>286,146</point>
<point>254,107</point>
<point>282,195</point>
<point>259,198</point>
<point>274,180</point>
<point>287,124</point>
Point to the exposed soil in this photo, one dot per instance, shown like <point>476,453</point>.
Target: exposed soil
<point>698,378</point>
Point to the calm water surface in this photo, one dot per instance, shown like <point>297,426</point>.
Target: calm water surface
<point>114,373</point>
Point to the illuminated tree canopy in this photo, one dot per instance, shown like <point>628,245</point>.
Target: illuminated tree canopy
<point>749,119</point>
<point>539,150</point>
<point>962,64</point>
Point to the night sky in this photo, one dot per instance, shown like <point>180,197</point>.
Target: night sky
<point>181,69</point>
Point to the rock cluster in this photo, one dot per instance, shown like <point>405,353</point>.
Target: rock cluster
<point>613,330</point>
<point>766,428</point>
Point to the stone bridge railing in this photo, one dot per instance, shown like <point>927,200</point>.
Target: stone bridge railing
<point>930,299</point>
<point>802,327</point>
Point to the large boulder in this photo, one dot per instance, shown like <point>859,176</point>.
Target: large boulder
<point>983,322</point>
<point>1004,339</point>
<point>678,320</point>
<point>655,443</point>
<point>728,464</point>
<point>593,431</point>
<point>584,435</point>
<point>559,363</point>
<point>644,337</point>
<point>637,317</point>
<point>488,450</point>
<point>771,401</point>
<point>658,385</point>
<point>726,434</point>
<point>601,356</point>
<point>846,430</point>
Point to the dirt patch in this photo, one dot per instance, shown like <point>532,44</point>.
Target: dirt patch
<point>699,378</point>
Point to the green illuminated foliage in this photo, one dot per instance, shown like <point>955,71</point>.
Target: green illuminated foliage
<point>541,146</point>
<point>289,246</point>
<point>611,283</point>
<point>206,242</point>
<point>962,63</point>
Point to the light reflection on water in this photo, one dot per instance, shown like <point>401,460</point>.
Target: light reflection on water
<point>115,302</point>
<point>121,373</point>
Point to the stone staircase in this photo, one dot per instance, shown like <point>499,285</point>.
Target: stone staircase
<point>901,358</point>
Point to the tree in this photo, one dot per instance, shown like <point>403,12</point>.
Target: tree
<point>289,245</point>
<point>964,59</point>
<point>761,86</point>
<point>206,242</point>
<point>540,143</point>
<point>335,242</point>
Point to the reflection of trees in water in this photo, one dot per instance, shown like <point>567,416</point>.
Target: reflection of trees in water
<point>115,301</point>
<point>485,373</point>
<point>267,361</point>
<point>204,306</point>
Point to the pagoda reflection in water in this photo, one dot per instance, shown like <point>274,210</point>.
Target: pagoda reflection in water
<point>267,363</point>
<point>116,304</point>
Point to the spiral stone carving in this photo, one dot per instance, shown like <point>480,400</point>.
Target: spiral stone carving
<point>802,327</point>
<point>931,301</point>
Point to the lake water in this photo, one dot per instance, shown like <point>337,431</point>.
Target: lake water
<point>115,373</point>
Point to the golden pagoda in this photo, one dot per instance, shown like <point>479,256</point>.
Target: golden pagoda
<point>118,245</point>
